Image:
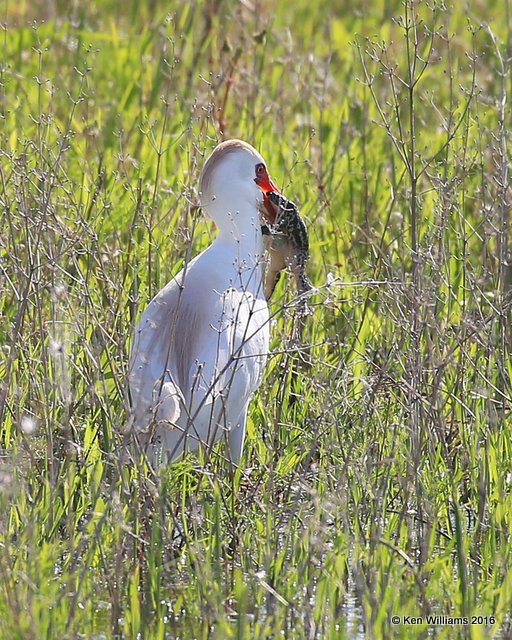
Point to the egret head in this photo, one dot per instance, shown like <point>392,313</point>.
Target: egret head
<point>234,183</point>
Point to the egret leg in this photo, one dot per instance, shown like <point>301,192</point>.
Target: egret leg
<point>236,438</point>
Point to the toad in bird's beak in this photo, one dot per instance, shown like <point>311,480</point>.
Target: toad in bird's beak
<point>266,185</point>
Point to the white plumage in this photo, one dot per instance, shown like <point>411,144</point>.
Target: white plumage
<point>201,345</point>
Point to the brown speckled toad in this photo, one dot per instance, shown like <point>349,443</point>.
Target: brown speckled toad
<point>287,242</point>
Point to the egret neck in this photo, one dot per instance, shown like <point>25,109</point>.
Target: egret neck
<point>239,243</point>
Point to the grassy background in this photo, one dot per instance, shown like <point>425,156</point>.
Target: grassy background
<point>377,473</point>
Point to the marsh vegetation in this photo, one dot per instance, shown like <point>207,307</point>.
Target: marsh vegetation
<point>377,473</point>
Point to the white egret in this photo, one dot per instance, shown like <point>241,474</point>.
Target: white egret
<point>201,345</point>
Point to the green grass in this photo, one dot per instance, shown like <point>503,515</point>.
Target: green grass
<point>376,478</point>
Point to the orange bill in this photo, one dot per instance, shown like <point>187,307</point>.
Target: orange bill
<point>266,184</point>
